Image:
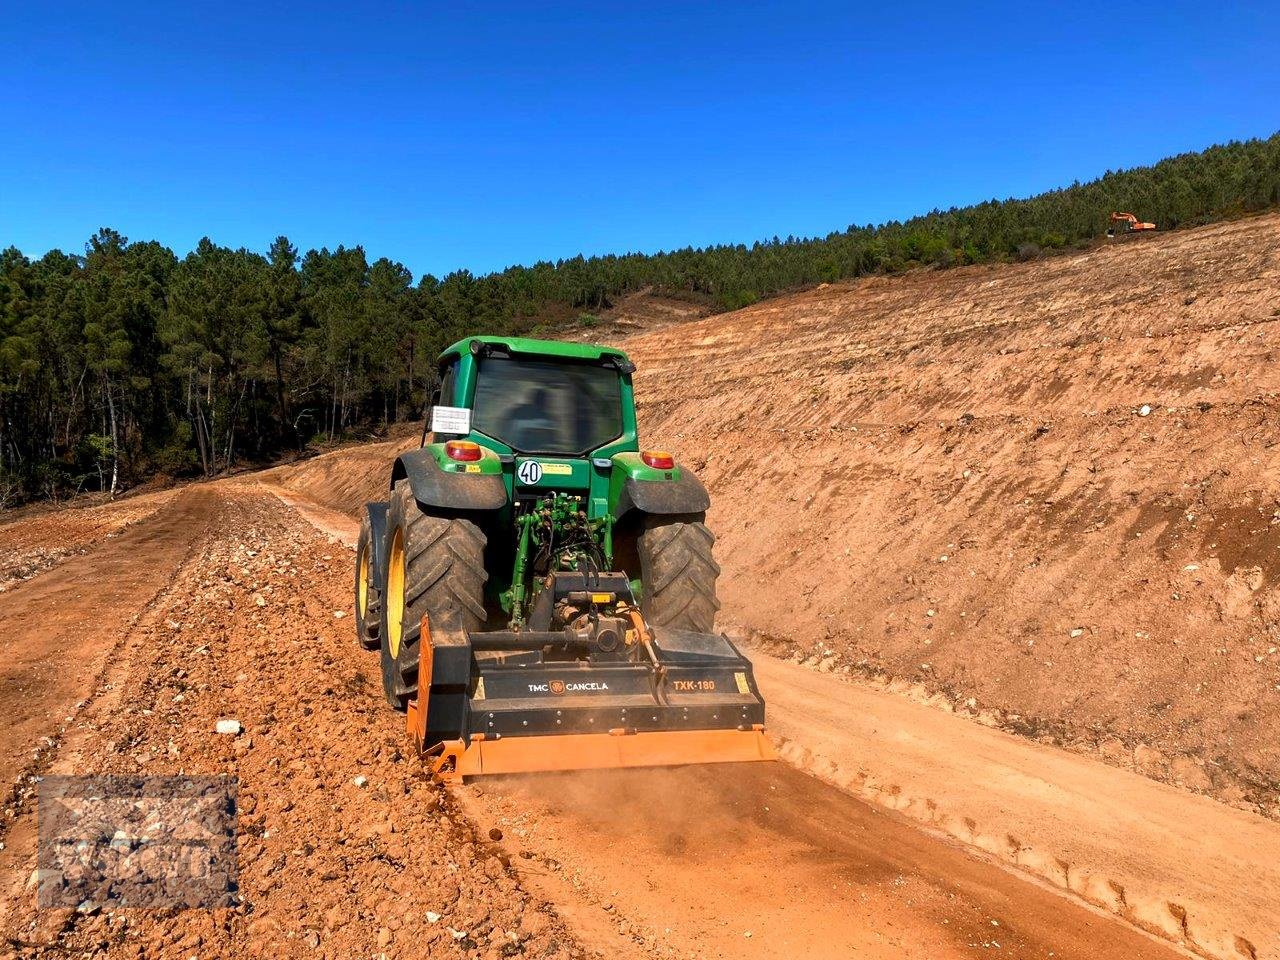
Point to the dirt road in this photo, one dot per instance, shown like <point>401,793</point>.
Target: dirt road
<point>1186,867</point>
<point>60,628</point>
<point>47,535</point>
<point>345,849</point>
<point>230,604</point>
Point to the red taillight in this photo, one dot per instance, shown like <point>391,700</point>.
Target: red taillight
<point>463,450</point>
<point>658,459</point>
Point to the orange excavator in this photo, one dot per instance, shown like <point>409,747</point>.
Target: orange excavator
<point>1123,224</point>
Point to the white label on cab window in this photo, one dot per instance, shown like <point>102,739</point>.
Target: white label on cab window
<point>450,420</point>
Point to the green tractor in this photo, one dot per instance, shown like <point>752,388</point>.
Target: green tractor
<point>541,590</point>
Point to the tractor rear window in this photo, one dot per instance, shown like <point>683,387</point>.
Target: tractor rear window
<point>536,406</point>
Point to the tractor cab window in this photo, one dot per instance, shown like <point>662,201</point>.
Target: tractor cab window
<point>553,407</point>
<point>448,377</point>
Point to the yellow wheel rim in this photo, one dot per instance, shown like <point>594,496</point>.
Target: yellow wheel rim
<point>362,584</point>
<point>395,593</point>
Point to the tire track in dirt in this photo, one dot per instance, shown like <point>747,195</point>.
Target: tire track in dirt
<point>60,628</point>
<point>1186,868</point>
<point>33,544</point>
<point>760,860</point>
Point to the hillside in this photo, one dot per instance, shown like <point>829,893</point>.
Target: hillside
<point>947,481</point>
<point>1047,490</point>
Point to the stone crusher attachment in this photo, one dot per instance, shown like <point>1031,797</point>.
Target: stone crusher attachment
<point>611,694</point>
<point>542,591</point>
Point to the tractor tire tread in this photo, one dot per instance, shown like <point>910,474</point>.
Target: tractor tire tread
<point>678,574</point>
<point>368,622</point>
<point>444,579</point>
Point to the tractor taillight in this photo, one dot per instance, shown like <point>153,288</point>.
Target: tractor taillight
<point>463,450</point>
<point>658,459</point>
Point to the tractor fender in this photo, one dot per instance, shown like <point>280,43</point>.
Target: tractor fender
<point>683,494</point>
<point>377,513</point>
<point>433,486</point>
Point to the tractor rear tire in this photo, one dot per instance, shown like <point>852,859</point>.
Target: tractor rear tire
<point>678,573</point>
<point>368,589</point>
<point>435,566</point>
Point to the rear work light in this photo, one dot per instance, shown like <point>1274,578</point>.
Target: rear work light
<point>463,450</point>
<point>658,459</point>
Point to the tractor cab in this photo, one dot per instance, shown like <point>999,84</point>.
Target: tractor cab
<point>557,423</point>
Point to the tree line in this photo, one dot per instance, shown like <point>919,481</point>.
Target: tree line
<point>128,359</point>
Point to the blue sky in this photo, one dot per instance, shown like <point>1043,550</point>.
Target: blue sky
<point>480,135</point>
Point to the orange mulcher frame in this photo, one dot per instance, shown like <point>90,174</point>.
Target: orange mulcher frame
<point>454,760</point>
